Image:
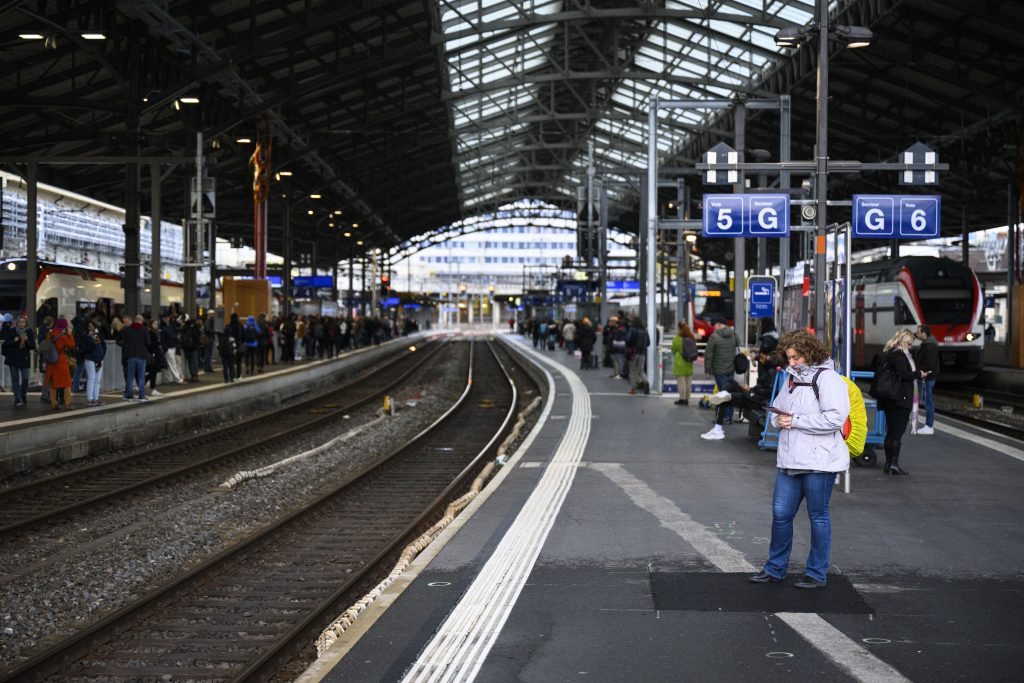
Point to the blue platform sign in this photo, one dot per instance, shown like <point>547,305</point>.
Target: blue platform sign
<point>316,282</point>
<point>746,215</point>
<point>897,216</point>
<point>761,296</point>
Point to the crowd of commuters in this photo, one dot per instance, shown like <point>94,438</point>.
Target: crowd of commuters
<point>172,348</point>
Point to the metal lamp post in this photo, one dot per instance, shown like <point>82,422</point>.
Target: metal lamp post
<point>853,36</point>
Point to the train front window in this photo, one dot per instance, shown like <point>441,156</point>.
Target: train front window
<point>947,307</point>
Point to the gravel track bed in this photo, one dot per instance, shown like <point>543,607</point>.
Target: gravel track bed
<point>21,478</point>
<point>85,571</point>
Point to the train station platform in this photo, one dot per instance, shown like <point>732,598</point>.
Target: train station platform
<point>35,435</point>
<point>616,545</point>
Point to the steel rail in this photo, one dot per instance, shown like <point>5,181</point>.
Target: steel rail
<point>205,462</point>
<point>72,649</point>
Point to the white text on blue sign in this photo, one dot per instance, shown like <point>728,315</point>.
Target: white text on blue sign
<point>746,215</point>
<point>897,216</point>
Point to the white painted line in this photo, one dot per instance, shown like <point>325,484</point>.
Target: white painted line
<point>714,549</point>
<point>997,446</point>
<point>848,654</point>
<point>842,650</point>
<point>461,645</point>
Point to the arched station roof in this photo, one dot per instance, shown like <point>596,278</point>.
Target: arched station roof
<point>408,115</point>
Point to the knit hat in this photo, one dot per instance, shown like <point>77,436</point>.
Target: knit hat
<point>62,324</point>
<point>6,317</point>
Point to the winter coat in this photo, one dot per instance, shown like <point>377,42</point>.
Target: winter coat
<point>58,375</point>
<point>815,441</point>
<point>680,366</point>
<point>637,340</point>
<point>900,364</point>
<point>16,355</point>
<point>155,349</point>
<point>251,333</point>
<point>586,338</point>
<point>928,357</point>
<point>134,341</point>
<point>93,348</point>
<point>169,336</point>
<point>720,353</point>
<point>569,332</point>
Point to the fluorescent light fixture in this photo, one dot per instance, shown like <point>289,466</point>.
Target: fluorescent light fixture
<point>854,36</point>
<point>355,225</point>
<point>30,36</point>
<point>310,212</point>
<point>285,174</point>
<point>330,225</point>
<point>94,36</point>
<point>243,141</point>
<point>359,242</point>
<point>190,100</point>
<point>314,196</point>
<point>347,234</point>
<point>177,105</point>
<point>791,37</point>
<point>338,212</point>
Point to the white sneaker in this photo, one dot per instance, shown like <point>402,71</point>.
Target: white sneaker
<point>720,398</point>
<point>925,430</point>
<point>715,434</point>
<point>156,393</point>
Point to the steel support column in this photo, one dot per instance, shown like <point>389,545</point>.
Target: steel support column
<point>31,243</point>
<point>155,256</point>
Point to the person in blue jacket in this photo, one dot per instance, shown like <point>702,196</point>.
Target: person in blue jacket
<point>811,452</point>
<point>251,341</point>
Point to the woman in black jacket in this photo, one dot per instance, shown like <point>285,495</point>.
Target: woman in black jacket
<point>897,410</point>
<point>156,361</point>
<point>18,342</point>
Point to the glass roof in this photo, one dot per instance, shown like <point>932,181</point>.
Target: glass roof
<point>507,59</point>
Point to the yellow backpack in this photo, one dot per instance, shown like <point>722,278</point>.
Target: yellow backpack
<point>855,429</point>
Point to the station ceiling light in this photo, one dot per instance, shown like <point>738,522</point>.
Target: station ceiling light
<point>243,141</point>
<point>314,196</point>
<point>190,100</point>
<point>94,36</point>
<point>30,36</point>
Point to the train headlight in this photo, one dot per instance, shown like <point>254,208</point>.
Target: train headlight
<point>971,336</point>
<point>12,266</point>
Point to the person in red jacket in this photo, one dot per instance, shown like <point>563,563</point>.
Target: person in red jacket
<point>58,375</point>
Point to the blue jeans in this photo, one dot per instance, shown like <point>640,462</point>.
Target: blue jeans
<point>926,387</point>
<point>789,491</point>
<point>19,383</point>
<point>76,378</point>
<point>136,373</point>
<point>724,381</point>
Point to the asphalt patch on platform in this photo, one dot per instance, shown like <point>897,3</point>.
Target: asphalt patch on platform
<point>719,592</point>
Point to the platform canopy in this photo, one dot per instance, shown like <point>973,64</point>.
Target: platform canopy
<point>407,115</point>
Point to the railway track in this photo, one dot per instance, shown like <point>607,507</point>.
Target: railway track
<point>253,612</point>
<point>74,492</point>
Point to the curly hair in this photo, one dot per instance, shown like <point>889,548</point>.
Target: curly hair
<point>805,344</point>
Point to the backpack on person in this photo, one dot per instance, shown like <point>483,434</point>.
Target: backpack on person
<point>249,334</point>
<point>885,386</point>
<point>48,350</point>
<point>855,429</point>
<point>690,351</point>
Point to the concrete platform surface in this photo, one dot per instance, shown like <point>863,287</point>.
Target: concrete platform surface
<point>553,577</point>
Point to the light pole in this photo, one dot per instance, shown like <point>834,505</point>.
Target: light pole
<point>852,36</point>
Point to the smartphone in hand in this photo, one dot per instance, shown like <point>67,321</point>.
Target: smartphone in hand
<point>778,411</point>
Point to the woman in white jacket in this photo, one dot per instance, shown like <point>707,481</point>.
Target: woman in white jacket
<point>813,405</point>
